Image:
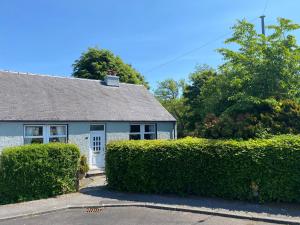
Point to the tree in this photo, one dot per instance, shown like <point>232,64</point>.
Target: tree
<point>256,79</point>
<point>97,63</point>
<point>197,105</point>
<point>263,66</point>
<point>169,93</point>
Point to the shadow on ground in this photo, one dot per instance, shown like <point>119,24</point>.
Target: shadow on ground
<point>192,201</point>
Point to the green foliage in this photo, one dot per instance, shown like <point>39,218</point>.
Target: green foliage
<point>97,63</point>
<point>83,165</point>
<point>262,169</point>
<point>169,93</point>
<point>263,66</point>
<point>260,70</point>
<point>37,171</point>
<point>197,104</point>
<point>260,119</point>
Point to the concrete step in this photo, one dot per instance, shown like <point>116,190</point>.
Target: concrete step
<point>95,172</point>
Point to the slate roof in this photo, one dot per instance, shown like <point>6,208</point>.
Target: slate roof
<point>25,97</point>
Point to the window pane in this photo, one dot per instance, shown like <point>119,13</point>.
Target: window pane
<point>33,131</point>
<point>58,139</point>
<point>96,127</point>
<point>134,136</point>
<point>33,141</point>
<point>58,130</point>
<point>135,128</point>
<point>149,128</point>
<point>149,136</point>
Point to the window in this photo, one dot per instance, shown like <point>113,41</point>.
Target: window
<point>142,131</point>
<point>33,134</point>
<point>150,132</point>
<point>58,133</point>
<point>96,127</point>
<point>45,133</point>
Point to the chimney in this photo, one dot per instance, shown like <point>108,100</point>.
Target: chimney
<point>112,80</point>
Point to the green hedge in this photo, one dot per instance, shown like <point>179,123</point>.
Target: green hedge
<point>262,169</point>
<point>37,171</point>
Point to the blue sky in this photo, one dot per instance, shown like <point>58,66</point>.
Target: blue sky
<point>46,36</point>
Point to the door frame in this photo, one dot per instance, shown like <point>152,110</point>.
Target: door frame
<point>90,143</point>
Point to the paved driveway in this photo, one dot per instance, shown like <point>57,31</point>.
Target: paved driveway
<point>126,216</point>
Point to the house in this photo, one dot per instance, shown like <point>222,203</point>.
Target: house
<point>88,113</point>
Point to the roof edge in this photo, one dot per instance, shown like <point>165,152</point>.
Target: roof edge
<point>98,121</point>
<point>58,76</point>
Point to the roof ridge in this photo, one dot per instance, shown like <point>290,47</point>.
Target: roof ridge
<point>58,76</point>
<point>45,75</point>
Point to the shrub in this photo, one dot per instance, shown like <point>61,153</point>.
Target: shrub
<point>83,165</point>
<point>262,169</point>
<point>256,121</point>
<point>37,171</point>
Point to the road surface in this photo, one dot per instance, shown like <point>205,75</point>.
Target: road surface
<point>126,216</point>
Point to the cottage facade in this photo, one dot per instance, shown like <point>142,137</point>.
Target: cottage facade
<point>88,113</point>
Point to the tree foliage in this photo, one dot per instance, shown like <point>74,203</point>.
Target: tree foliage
<point>259,76</point>
<point>169,93</point>
<point>263,66</point>
<point>96,63</point>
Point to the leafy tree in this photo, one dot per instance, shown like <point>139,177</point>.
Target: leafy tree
<point>97,63</point>
<point>197,105</point>
<point>263,66</point>
<point>258,76</point>
<point>169,93</point>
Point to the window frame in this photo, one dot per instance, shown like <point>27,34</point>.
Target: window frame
<point>46,132</point>
<point>48,128</point>
<point>32,137</point>
<point>142,131</point>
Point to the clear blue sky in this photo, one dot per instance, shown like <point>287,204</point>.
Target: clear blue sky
<point>47,36</point>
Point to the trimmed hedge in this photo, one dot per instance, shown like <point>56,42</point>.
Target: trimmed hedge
<point>37,171</point>
<point>262,169</point>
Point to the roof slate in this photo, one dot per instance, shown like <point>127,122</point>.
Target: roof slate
<point>26,97</point>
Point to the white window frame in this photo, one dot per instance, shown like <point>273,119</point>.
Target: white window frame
<point>46,132</point>
<point>56,136</point>
<point>142,130</point>
<point>32,137</point>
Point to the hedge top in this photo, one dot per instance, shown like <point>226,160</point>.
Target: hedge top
<point>39,147</point>
<point>202,143</point>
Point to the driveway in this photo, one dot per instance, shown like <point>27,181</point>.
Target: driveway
<point>126,216</point>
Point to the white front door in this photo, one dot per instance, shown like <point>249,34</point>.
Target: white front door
<point>97,149</point>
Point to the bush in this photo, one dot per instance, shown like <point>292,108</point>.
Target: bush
<point>37,171</point>
<point>83,165</point>
<point>258,120</point>
<point>262,169</point>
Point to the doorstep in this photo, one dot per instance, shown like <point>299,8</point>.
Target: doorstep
<point>95,172</point>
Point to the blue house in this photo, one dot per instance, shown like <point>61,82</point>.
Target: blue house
<point>88,113</point>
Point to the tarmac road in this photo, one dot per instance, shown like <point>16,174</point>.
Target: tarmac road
<point>126,216</point>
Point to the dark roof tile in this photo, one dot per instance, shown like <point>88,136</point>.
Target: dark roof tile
<point>25,97</point>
